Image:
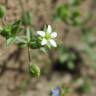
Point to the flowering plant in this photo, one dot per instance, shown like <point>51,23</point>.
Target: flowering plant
<point>31,41</point>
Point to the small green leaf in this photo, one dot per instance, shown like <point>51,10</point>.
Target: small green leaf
<point>44,50</point>
<point>6,31</point>
<point>28,33</point>
<point>16,27</point>
<point>11,40</point>
<point>27,18</point>
<point>2,11</point>
<point>21,39</point>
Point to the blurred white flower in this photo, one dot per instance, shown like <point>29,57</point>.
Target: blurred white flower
<point>48,36</point>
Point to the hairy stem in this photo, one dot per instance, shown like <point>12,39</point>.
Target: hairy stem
<point>29,57</point>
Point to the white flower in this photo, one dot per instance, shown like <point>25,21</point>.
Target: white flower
<point>48,36</point>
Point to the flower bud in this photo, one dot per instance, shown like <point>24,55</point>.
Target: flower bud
<point>34,70</point>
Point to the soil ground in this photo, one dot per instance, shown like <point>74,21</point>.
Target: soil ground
<point>13,61</point>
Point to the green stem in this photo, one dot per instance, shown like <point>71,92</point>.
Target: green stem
<point>29,57</point>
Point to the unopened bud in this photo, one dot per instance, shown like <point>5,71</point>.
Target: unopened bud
<point>34,70</point>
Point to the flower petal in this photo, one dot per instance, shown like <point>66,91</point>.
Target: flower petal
<point>49,29</point>
<point>56,91</point>
<point>53,34</point>
<point>41,33</point>
<point>44,41</point>
<point>53,43</point>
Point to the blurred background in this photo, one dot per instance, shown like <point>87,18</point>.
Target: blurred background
<point>72,65</point>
